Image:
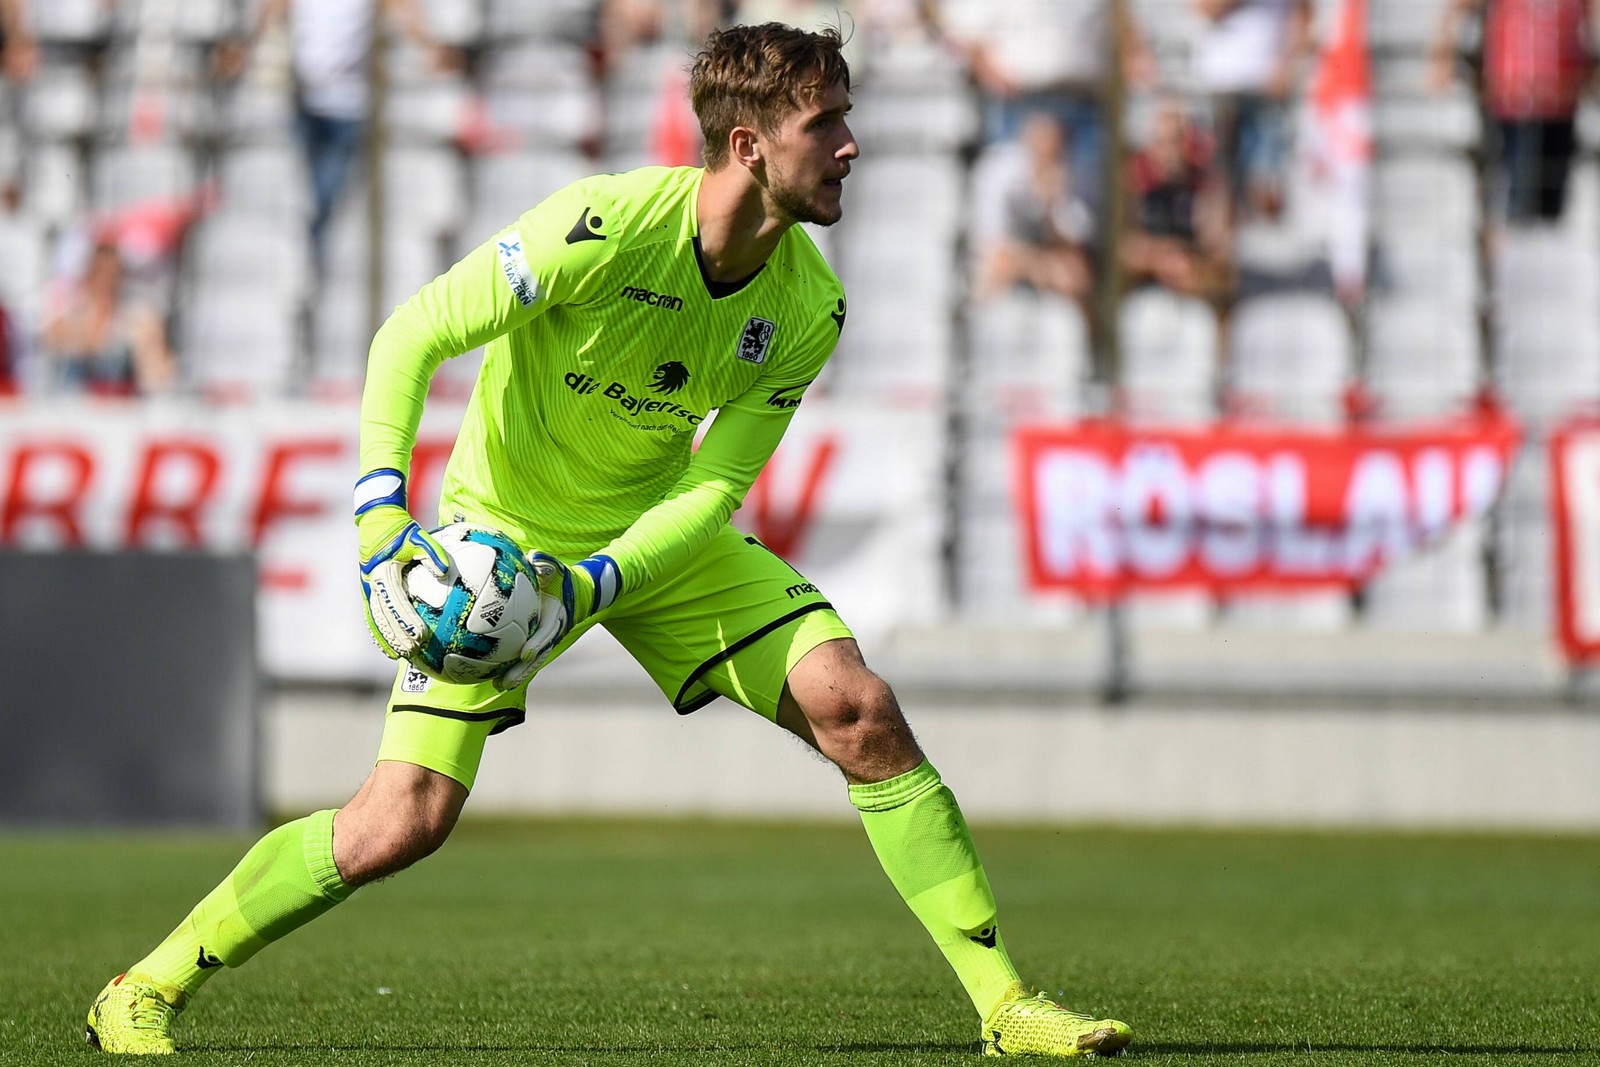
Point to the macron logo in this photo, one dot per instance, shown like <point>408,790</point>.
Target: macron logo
<point>586,229</point>
<point>651,297</point>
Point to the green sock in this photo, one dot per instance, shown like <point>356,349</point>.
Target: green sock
<point>286,879</point>
<point>921,839</point>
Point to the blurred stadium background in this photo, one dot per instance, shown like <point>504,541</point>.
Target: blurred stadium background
<point>1376,295</point>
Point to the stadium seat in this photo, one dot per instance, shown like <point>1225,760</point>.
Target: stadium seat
<point>991,581</point>
<point>1291,356</point>
<point>339,337</point>
<point>72,22</point>
<point>425,190</point>
<point>410,260</point>
<point>504,186</point>
<point>53,185</point>
<point>24,265</point>
<point>264,179</point>
<point>1422,355</point>
<point>1442,587</point>
<point>1028,355</point>
<point>256,112</point>
<point>249,252</point>
<point>1443,269</point>
<point>426,111</point>
<point>566,20</point>
<point>1450,122</point>
<point>207,21</point>
<point>1540,264</point>
<point>1169,345</point>
<point>556,116</point>
<point>61,102</point>
<point>1409,26</point>
<point>235,342</point>
<point>1426,194</point>
<point>128,175</point>
<point>1524,545</point>
<point>457,22</point>
<point>908,192</point>
<point>1549,358</point>
<point>888,354</point>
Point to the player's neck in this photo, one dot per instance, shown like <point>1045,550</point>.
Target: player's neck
<point>738,229</point>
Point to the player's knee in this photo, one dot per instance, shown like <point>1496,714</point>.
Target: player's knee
<point>859,725</point>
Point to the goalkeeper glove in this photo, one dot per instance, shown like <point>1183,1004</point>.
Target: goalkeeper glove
<point>391,538</point>
<point>567,596</point>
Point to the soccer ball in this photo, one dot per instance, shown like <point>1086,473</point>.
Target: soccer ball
<point>482,612</point>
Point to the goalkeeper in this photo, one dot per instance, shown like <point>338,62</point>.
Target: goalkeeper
<point>617,315</point>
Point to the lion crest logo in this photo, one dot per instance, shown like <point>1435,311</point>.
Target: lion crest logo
<point>670,377</point>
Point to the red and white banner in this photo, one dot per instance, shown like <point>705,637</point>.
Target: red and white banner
<point>1575,514</point>
<point>1108,508</point>
<point>851,499</point>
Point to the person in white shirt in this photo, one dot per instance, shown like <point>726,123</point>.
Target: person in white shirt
<point>331,45</point>
<point>1029,56</point>
<point>1248,57</point>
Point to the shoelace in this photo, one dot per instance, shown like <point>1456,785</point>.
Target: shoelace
<point>1039,1004</point>
<point>150,1012</point>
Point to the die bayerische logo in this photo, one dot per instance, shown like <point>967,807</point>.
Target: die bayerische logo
<point>670,377</point>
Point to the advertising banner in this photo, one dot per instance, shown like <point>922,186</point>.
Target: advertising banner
<point>852,499</point>
<point>1575,515</point>
<point>1107,507</point>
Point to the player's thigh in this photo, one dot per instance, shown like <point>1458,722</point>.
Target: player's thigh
<point>733,624</point>
<point>442,726</point>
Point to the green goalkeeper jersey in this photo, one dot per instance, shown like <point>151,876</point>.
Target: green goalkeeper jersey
<point>607,346</point>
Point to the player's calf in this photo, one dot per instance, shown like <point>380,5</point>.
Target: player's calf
<point>402,814</point>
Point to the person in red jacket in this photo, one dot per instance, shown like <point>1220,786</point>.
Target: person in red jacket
<point>1536,57</point>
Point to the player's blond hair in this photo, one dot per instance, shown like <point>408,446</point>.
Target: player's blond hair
<point>759,75</point>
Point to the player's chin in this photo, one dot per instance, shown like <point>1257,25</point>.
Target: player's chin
<point>827,207</point>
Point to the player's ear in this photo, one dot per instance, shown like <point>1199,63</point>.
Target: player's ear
<point>744,147</point>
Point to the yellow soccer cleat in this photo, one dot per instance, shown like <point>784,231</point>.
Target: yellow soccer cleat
<point>133,1015</point>
<point>1031,1024</point>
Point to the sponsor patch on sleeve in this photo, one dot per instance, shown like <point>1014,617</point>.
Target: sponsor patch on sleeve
<point>788,398</point>
<point>514,265</point>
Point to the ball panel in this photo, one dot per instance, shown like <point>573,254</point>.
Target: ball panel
<point>481,616</point>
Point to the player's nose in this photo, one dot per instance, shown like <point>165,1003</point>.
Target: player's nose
<point>848,150</point>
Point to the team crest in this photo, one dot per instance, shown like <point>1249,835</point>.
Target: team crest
<point>415,681</point>
<point>755,339</point>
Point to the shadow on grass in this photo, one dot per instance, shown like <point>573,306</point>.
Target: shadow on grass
<point>750,1046</point>
<point>1201,1048</point>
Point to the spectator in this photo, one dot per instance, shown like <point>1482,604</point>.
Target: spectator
<point>1248,57</point>
<point>1030,56</point>
<point>1535,60</point>
<point>98,340</point>
<point>331,42</point>
<point>21,270</point>
<point>1029,226</point>
<point>19,53</point>
<point>1177,238</point>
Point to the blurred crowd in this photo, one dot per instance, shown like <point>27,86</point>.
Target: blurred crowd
<point>1120,146</point>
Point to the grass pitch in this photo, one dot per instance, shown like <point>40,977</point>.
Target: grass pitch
<point>700,943</point>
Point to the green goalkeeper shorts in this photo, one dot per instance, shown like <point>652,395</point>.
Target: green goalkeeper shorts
<point>732,623</point>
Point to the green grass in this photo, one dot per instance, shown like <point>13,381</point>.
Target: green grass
<point>701,943</point>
